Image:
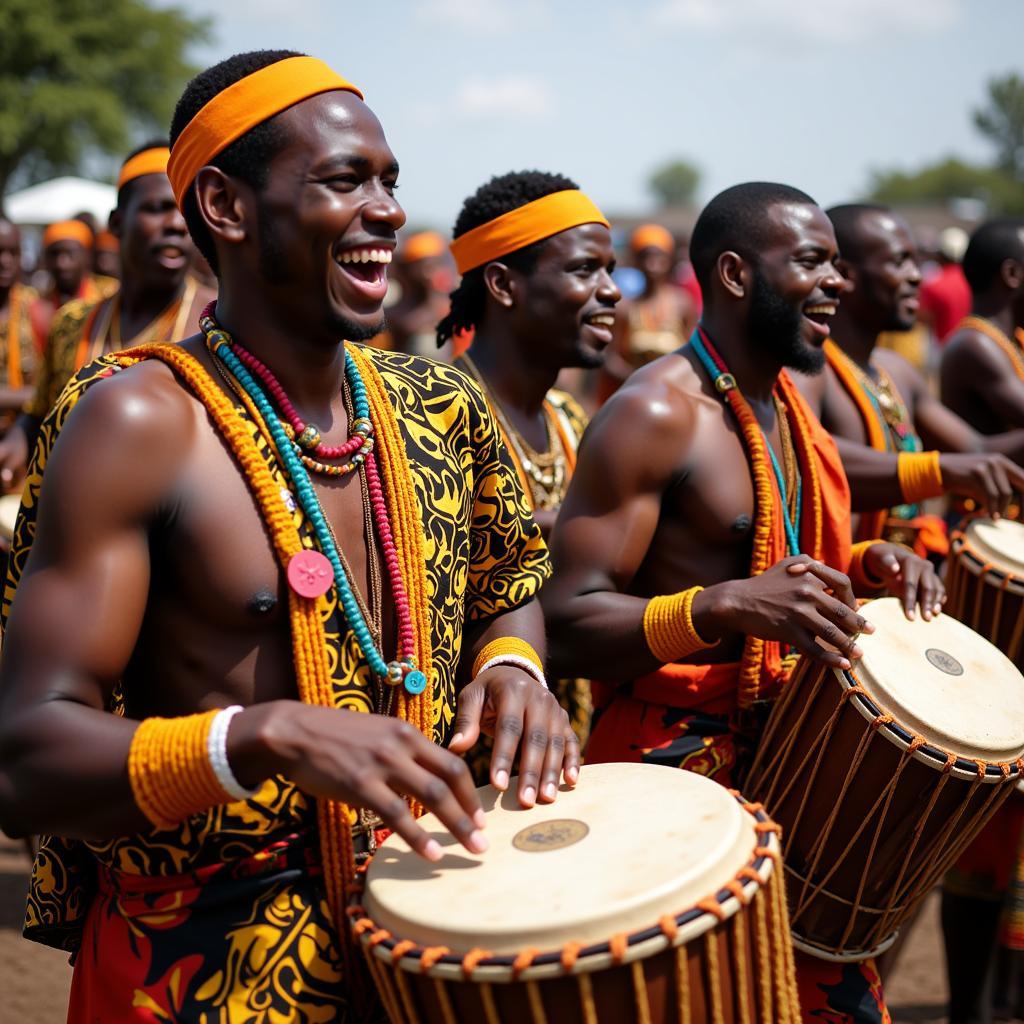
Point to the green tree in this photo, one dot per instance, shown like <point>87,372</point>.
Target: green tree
<point>85,76</point>
<point>674,184</point>
<point>1001,121</point>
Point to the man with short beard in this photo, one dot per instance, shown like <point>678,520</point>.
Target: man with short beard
<point>665,496</point>
<point>872,396</point>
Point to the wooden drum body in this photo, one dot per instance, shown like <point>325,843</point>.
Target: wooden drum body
<point>881,776</point>
<point>646,894</point>
<point>985,582</point>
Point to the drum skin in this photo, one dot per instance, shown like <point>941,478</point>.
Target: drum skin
<point>875,794</point>
<point>589,910</point>
<point>985,582</point>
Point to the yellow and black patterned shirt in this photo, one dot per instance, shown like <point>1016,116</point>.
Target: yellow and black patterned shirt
<point>484,555</point>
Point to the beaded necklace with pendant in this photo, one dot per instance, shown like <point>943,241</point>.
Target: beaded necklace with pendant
<point>402,670</point>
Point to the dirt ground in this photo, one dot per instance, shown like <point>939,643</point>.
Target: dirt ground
<point>34,980</point>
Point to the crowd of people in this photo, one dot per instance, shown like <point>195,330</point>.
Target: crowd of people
<point>280,458</point>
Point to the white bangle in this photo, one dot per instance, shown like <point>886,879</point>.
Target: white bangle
<point>518,661</point>
<point>217,751</point>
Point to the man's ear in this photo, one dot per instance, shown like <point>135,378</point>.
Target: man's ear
<point>224,203</point>
<point>498,281</point>
<point>734,273</point>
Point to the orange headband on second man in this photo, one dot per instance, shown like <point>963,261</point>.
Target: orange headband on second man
<point>243,105</point>
<point>149,161</point>
<point>523,226</point>
<point>68,231</point>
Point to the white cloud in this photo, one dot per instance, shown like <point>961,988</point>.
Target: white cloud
<point>479,17</point>
<point>514,96</point>
<point>844,20</point>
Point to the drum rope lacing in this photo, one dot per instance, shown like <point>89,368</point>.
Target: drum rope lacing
<point>775,979</point>
<point>900,900</point>
<point>958,578</point>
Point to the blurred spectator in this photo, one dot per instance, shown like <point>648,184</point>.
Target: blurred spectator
<point>946,297</point>
<point>425,275</point>
<point>655,322</point>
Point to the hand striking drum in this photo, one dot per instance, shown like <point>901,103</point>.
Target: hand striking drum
<point>881,775</point>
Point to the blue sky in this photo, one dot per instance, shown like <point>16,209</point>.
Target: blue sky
<point>811,92</point>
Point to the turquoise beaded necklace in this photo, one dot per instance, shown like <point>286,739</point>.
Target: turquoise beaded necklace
<point>394,672</point>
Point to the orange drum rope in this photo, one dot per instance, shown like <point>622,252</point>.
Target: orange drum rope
<point>770,986</point>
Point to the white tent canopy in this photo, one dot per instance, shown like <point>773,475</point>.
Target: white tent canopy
<point>60,199</point>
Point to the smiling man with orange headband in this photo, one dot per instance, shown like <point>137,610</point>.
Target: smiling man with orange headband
<point>536,257</point>
<point>299,566</point>
<point>156,300</point>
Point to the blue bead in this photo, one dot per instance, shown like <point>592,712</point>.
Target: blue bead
<point>415,682</point>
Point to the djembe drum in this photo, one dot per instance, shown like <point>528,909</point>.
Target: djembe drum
<point>985,582</point>
<point>880,776</point>
<point>646,894</point>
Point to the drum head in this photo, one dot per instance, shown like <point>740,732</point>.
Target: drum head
<point>631,843</point>
<point>9,505</point>
<point>943,681</point>
<point>999,541</point>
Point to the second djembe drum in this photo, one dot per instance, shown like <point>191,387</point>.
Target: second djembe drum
<point>880,776</point>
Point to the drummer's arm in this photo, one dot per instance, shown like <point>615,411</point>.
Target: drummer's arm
<point>601,537</point>
<point>75,619</point>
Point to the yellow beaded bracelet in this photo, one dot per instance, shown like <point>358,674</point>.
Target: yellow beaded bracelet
<point>920,476</point>
<point>170,771</point>
<point>504,646</point>
<point>669,629</point>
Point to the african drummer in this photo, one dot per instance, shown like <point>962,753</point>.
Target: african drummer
<point>235,541</point>
<point>708,468</point>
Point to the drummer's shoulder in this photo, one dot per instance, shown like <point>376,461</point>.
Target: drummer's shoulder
<point>969,348</point>
<point>660,400</point>
<point>142,407</point>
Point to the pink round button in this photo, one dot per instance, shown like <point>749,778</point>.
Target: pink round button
<point>310,573</point>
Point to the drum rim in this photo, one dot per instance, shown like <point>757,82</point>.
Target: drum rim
<point>959,544</point>
<point>767,858</point>
<point>994,771</point>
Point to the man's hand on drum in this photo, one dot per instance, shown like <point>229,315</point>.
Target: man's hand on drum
<point>907,576</point>
<point>520,713</point>
<point>993,480</point>
<point>362,760</point>
<point>798,601</point>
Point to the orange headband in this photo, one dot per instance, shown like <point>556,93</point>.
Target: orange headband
<point>531,223</point>
<point>652,236</point>
<point>106,241</point>
<point>249,102</point>
<point>68,231</point>
<point>422,246</point>
<point>149,161</point>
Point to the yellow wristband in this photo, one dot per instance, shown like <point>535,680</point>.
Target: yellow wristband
<point>859,576</point>
<point>507,645</point>
<point>920,476</point>
<point>170,771</point>
<point>668,626</point>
